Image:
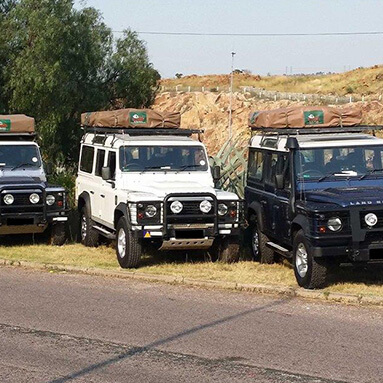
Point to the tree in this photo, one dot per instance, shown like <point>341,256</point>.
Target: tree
<point>63,62</point>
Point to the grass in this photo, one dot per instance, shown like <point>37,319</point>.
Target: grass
<point>365,282</point>
<point>361,81</point>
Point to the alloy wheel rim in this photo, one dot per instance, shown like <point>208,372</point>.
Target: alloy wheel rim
<point>255,243</point>
<point>83,227</point>
<point>121,243</point>
<point>301,261</point>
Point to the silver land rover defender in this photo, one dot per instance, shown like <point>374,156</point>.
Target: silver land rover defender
<point>146,183</point>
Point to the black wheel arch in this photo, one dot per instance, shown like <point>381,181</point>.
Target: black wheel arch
<point>255,209</point>
<point>300,222</point>
<point>84,200</point>
<point>121,211</point>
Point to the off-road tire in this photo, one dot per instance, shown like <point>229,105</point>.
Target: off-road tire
<point>264,254</point>
<point>88,236</point>
<point>130,256</point>
<point>225,250</point>
<point>58,234</point>
<point>317,269</point>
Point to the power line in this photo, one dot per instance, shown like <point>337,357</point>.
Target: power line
<point>259,34</point>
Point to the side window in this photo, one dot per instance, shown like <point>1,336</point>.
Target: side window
<point>273,169</point>
<point>112,164</point>
<point>86,162</point>
<point>255,169</point>
<point>99,162</point>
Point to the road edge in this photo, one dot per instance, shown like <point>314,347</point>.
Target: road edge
<point>291,292</point>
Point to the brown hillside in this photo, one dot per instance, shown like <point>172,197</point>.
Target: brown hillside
<point>209,111</point>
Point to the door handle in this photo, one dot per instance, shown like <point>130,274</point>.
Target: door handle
<point>91,192</point>
<point>102,195</point>
<point>263,203</point>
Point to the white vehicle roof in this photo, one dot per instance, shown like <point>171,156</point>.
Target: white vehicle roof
<point>278,142</point>
<point>17,143</point>
<point>118,140</point>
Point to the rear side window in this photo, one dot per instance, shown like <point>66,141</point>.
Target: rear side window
<point>86,162</point>
<point>99,161</point>
<point>112,164</point>
<point>255,169</point>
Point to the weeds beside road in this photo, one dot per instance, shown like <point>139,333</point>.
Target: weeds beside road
<point>366,281</point>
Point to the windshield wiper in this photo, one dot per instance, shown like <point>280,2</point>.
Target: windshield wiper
<point>341,173</point>
<point>187,167</point>
<point>369,172</point>
<point>22,165</point>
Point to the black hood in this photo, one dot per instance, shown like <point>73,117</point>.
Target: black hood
<point>17,180</point>
<point>345,197</point>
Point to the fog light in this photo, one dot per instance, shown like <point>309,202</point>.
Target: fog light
<point>334,223</point>
<point>371,219</point>
<point>205,206</point>
<point>34,198</point>
<point>176,207</point>
<point>150,211</point>
<point>8,199</point>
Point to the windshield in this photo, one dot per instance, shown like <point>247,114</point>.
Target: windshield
<point>17,156</point>
<point>327,163</point>
<point>162,158</point>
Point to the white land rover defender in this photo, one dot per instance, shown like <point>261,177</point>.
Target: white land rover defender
<point>146,183</point>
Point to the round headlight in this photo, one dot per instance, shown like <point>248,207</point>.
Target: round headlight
<point>222,209</point>
<point>205,206</point>
<point>150,211</point>
<point>8,199</point>
<point>176,207</point>
<point>334,223</point>
<point>34,198</point>
<point>50,199</point>
<point>371,219</point>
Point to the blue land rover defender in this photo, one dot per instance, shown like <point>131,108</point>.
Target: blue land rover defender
<point>28,204</point>
<point>315,195</point>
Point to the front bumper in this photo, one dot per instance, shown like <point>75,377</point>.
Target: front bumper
<point>359,244</point>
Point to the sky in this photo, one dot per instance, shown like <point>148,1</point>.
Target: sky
<point>261,55</point>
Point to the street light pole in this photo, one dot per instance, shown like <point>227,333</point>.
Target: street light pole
<point>231,94</point>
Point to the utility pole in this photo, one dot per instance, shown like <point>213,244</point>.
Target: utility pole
<point>231,94</point>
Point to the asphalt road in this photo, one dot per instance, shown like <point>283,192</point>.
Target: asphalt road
<point>64,327</point>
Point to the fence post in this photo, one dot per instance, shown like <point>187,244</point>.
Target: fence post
<point>275,97</point>
<point>217,88</point>
<point>350,99</point>
<point>189,88</point>
<point>203,89</point>
<point>362,98</point>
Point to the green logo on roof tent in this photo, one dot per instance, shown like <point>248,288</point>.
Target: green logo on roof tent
<point>313,117</point>
<point>5,125</point>
<point>138,118</point>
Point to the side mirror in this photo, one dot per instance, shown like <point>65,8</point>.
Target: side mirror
<point>106,173</point>
<point>48,168</point>
<point>216,173</point>
<point>280,181</point>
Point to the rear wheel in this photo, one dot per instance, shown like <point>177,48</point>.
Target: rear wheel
<point>128,248</point>
<point>310,273</point>
<point>260,251</point>
<point>89,236</point>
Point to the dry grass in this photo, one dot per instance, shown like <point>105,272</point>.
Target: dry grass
<point>363,81</point>
<point>346,280</point>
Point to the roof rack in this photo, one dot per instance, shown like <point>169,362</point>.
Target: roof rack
<point>17,136</point>
<point>143,132</point>
<point>326,130</point>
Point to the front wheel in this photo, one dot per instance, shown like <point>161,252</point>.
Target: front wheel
<point>310,273</point>
<point>128,248</point>
<point>225,250</point>
<point>89,236</point>
<point>58,234</point>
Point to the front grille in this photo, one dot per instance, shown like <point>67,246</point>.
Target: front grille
<point>379,214</point>
<point>191,212</point>
<point>21,203</point>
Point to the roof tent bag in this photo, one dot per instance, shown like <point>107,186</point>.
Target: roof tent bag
<point>131,118</point>
<point>16,123</point>
<point>306,117</point>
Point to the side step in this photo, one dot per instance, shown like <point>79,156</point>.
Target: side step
<point>279,249</point>
<point>105,232</point>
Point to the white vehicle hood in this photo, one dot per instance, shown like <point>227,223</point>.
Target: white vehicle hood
<point>157,187</point>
